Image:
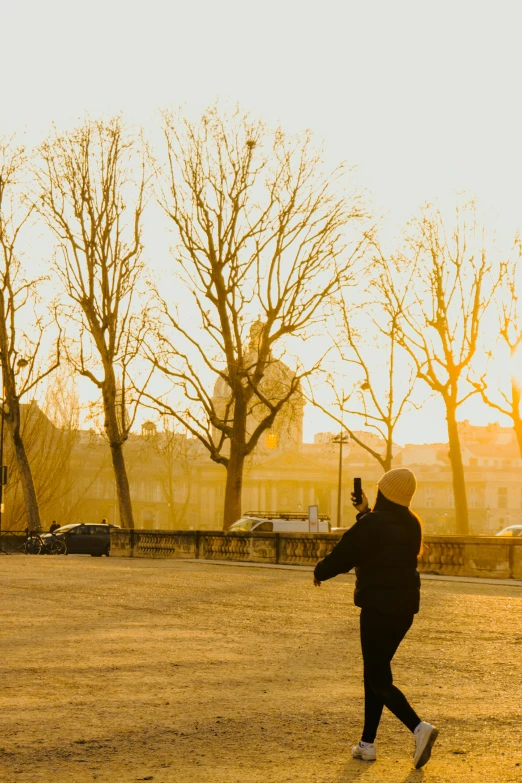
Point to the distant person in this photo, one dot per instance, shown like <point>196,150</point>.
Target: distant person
<point>54,526</point>
<point>383,546</point>
<point>104,521</point>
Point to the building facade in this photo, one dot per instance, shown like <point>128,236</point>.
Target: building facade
<point>175,485</point>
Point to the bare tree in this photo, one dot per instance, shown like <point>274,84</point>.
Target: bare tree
<point>450,282</point>
<point>92,192</point>
<point>49,433</point>
<point>510,333</point>
<point>20,347</point>
<point>261,250</point>
<point>367,347</point>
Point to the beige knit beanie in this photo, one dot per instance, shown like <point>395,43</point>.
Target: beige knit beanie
<point>398,485</point>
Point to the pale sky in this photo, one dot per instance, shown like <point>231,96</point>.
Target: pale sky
<point>423,97</point>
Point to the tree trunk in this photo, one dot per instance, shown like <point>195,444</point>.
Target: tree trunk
<point>386,459</point>
<point>517,424</point>
<point>515,415</point>
<point>116,441</point>
<point>122,486</point>
<point>234,485</point>
<point>236,461</point>
<point>183,510</point>
<point>457,467</point>
<point>169,493</point>
<point>387,462</point>
<point>24,469</point>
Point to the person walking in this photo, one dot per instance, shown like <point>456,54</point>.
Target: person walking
<point>383,546</point>
<point>54,526</point>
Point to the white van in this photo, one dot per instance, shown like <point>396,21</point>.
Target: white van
<point>278,523</point>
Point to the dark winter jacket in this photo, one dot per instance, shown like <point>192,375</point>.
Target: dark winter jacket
<point>383,549</point>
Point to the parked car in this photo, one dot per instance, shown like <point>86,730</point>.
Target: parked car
<point>85,538</point>
<point>292,522</point>
<point>512,530</point>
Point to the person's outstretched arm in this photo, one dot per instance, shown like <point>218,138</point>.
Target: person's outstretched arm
<point>342,558</point>
<point>347,553</point>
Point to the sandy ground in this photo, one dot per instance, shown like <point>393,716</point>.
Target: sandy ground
<point>116,670</point>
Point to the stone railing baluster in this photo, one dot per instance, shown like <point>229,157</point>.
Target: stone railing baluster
<point>450,555</point>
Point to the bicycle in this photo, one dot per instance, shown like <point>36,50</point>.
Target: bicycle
<point>35,545</point>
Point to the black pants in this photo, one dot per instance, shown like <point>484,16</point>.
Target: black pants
<point>381,635</point>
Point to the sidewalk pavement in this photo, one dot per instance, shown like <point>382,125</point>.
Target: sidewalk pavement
<point>117,670</point>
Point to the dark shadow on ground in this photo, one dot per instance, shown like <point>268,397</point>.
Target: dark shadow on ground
<point>415,776</point>
<point>356,770</point>
<point>353,769</point>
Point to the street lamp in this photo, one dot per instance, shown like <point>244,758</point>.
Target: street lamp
<point>343,437</point>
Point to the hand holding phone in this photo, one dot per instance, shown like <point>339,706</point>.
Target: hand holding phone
<point>359,499</point>
<point>357,492</point>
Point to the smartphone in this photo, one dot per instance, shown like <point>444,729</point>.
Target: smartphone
<point>357,491</point>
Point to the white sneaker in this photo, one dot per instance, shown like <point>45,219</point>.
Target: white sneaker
<point>425,735</point>
<point>366,753</point>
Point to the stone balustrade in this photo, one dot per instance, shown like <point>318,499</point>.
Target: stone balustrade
<point>12,541</point>
<point>499,558</point>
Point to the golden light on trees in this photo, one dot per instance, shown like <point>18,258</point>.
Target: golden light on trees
<point>92,185</point>
<point>275,266</point>
<point>515,366</point>
<point>22,330</point>
<point>262,246</point>
<point>442,284</point>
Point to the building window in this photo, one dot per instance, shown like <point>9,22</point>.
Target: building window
<point>97,488</point>
<point>473,462</point>
<point>502,497</point>
<point>149,519</point>
<point>150,492</point>
<point>474,497</point>
<point>271,440</point>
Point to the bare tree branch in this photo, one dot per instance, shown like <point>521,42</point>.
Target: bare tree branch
<point>92,190</point>
<point>510,334</point>
<point>20,347</point>
<point>451,280</point>
<point>378,403</point>
<point>262,248</point>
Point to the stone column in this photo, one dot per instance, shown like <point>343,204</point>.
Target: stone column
<point>254,497</point>
<point>300,498</point>
<point>204,506</point>
<point>273,497</point>
<point>333,508</point>
<point>211,503</point>
<point>262,498</point>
